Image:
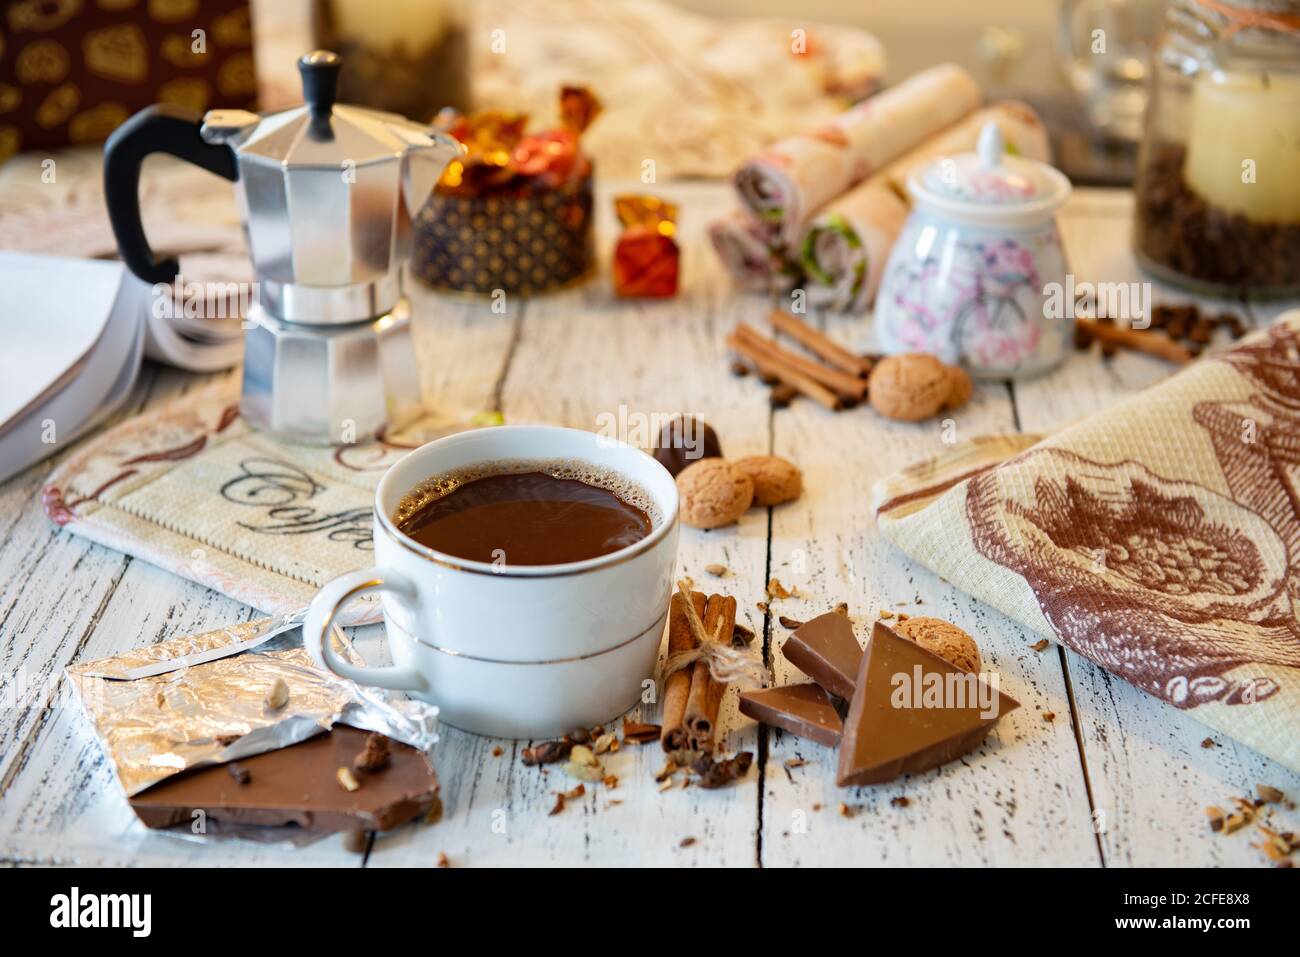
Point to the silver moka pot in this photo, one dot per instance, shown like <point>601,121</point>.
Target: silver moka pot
<point>327,194</point>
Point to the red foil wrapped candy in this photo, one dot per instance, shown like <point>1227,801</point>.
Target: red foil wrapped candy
<point>646,257</point>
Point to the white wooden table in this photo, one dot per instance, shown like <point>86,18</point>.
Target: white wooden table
<point>1116,779</point>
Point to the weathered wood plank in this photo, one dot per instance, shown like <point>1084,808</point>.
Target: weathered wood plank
<point>581,354</point>
<point>1019,799</point>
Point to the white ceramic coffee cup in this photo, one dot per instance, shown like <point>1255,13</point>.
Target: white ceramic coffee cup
<point>523,651</point>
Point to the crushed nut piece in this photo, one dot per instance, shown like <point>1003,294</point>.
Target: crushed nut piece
<point>788,622</point>
<point>1209,743</point>
<point>761,606</point>
<point>1269,794</point>
<point>899,801</point>
<point>667,771</point>
<point>374,755</point>
<point>604,743</point>
<point>776,590</point>
<point>716,774</point>
<point>442,860</point>
<point>1234,822</point>
<point>347,780</point>
<point>610,780</point>
<point>576,792</point>
<point>842,609</point>
<point>716,570</point>
<point>1216,816</point>
<point>741,636</point>
<point>558,806</point>
<point>278,696</point>
<point>548,752</point>
<point>845,810</point>
<point>884,614</point>
<point>583,771</point>
<point>1049,715</point>
<point>795,763</point>
<point>817,807</point>
<point>1040,645</point>
<point>686,842</point>
<point>498,751</point>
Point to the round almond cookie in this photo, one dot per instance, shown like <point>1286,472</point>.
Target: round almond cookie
<point>714,493</point>
<point>910,387</point>
<point>961,388</point>
<point>944,639</point>
<point>775,479</point>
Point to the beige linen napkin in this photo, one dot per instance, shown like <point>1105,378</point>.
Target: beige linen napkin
<point>1159,539</point>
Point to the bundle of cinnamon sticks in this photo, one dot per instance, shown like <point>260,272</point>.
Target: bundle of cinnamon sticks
<point>832,375</point>
<point>692,696</point>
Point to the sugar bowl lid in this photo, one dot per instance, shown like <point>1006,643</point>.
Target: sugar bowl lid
<point>990,185</point>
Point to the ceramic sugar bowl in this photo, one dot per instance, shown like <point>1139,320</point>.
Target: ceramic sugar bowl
<point>971,275</point>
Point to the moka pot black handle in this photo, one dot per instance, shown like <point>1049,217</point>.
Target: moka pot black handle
<point>156,129</point>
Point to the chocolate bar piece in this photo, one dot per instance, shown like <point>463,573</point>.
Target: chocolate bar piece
<point>803,710</point>
<point>825,650</point>
<point>912,711</point>
<point>300,784</point>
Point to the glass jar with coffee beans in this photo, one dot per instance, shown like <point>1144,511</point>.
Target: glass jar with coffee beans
<point>1218,184</point>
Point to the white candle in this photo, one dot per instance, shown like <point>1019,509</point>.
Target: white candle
<point>1243,144</point>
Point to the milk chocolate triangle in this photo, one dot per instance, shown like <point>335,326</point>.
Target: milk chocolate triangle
<point>825,650</point>
<point>803,710</point>
<point>912,711</point>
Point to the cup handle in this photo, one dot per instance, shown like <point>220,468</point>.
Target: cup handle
<point>325,607</point>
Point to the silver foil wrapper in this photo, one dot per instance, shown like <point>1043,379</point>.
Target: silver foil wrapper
<point>218,711</point>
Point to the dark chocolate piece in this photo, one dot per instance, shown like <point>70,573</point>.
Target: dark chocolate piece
<point>803,710</point>
<point>684,441</point>
<point>300,785</point>
<point>825,650</point>
<point>912,711</point>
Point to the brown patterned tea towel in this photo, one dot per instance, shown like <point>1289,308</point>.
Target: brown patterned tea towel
<point>1159,539</point>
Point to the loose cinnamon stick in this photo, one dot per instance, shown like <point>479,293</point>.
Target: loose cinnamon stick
<point>1152,343</point>
<point>785,373</point>
<point>844,385</point>
<point>706,693</point>
<point>816,342</point>
<point>677,686</point>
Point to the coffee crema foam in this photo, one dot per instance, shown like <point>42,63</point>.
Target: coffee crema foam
<point>598,476</point>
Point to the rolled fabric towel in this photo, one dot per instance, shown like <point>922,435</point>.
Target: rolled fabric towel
<point>844,250</point>
<point>741,243</point>
<point>787,182</point>
<point>1023,134</point>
